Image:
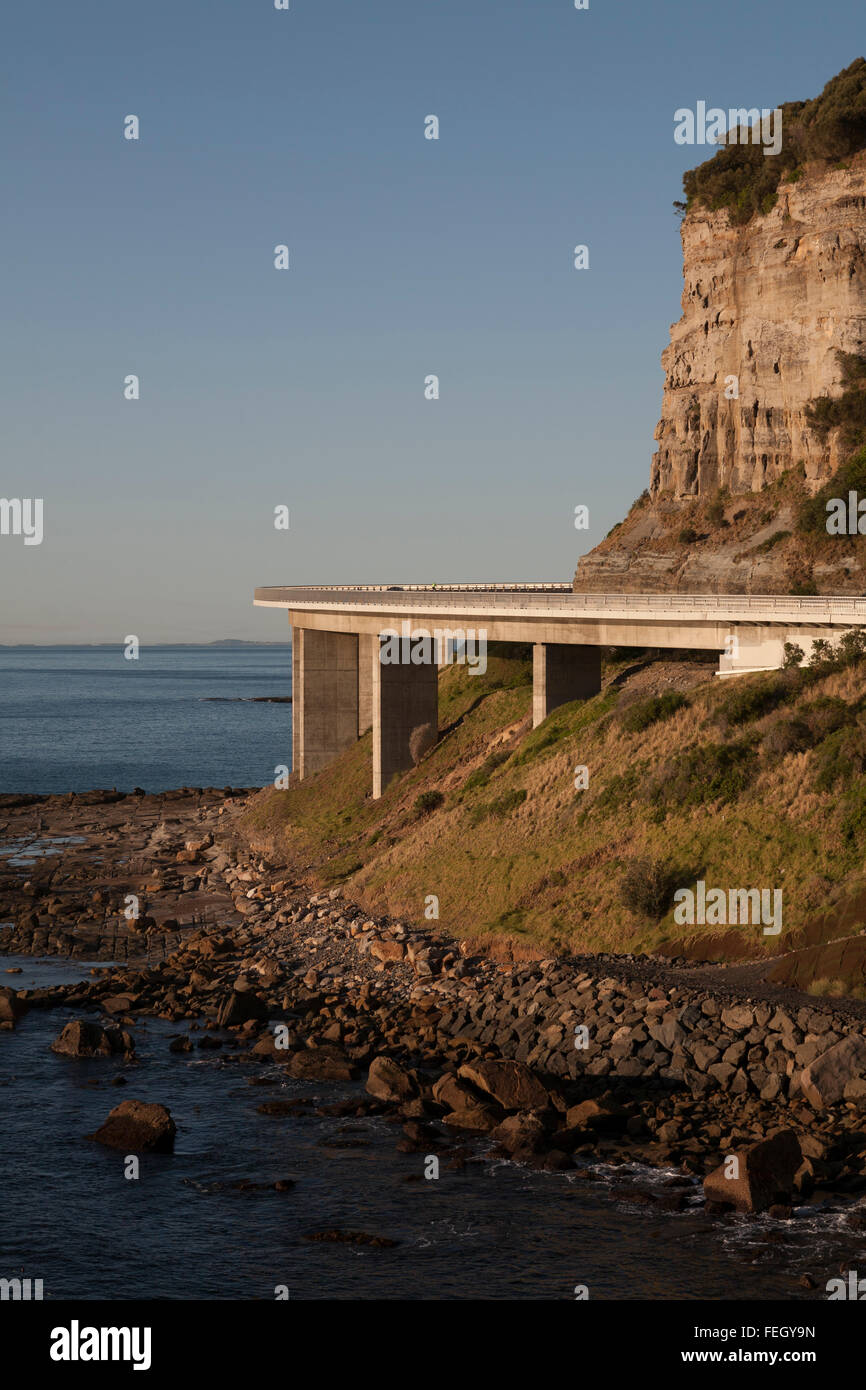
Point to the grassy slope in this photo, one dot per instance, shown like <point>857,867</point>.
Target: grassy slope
<point>546,871</point>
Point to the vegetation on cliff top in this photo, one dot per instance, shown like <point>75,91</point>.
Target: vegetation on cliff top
<point>741,178</point>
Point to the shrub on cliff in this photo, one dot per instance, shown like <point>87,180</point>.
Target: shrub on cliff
<point>849,477</point>
<point>501,807</point>
<point>647,887</point>
<point>786,736</point>
<point>481,776</point>
<point>825,715</point>
<point>741,703</point>
<point>639,716</point>
<point>840,758</point>
<point>744,180</point>
<point>709,772</point>
<point>426,802</point>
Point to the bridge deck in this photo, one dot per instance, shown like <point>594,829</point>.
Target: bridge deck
<point>558,601</point>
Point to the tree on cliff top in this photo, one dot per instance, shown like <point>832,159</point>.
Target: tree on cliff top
<point>744,180</point>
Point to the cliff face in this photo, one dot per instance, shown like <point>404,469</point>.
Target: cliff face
<point>766,308</point>
<point>768,303</point>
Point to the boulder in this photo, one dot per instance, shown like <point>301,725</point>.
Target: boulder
<point>387,1080</point>
<point>326,1063</point>
<point>11,1007</point>
<point>511,1084</point>
<point>602,1114</point>
<point>83,1039</point>
<point>119,1003</point>
<point>266,1046</point>
<point>524,1130</point>
<point>135,1126</point>
<point>387,951</point>
<point>765,1174</point>
<point>479,1115</point>
<point>452,1093</point>
<point>241,1006</point>
<point>824,1081</point>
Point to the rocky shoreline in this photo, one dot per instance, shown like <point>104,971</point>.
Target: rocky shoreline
<point>552,1063</point>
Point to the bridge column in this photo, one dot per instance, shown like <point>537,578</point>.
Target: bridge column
<point>562,671</point>
<point>325,711</point>
<point>368,648</point>
<point>405,697</point>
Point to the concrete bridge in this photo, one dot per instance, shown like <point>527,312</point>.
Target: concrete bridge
<point>342,686</point>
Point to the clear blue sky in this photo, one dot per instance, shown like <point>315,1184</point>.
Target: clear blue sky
<point>408,257</point>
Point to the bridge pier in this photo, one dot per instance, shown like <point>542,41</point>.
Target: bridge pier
<point>562,671</point>
<point>405,696</point>
<point>368,652</point>
<point>325,697</point>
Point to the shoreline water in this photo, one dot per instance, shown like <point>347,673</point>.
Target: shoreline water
<point>229,946</point>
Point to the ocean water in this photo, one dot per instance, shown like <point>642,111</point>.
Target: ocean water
<point>74,718</point>
<point>492,1230</point>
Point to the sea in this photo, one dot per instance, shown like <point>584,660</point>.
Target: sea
<point>75,718</point>
<point>185,1228</point>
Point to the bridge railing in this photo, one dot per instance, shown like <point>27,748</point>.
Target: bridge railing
<point>830,608</point>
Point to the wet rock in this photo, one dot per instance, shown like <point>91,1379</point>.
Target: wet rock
<point>524,1130</point>
<point>11,1007</point>
<point>511,1084</point>
<point>83,1039</point>
<point>135,1126</point>
<point>764,1174</point>
<point>326,1063</point>
<point>353,1238</point>
<point>603,1114</point>
<point>389,1081</point>
<point>475,1116</point>
<point>242,1006</point>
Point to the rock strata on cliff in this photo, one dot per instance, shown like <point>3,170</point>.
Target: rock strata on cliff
<point>768,307</point>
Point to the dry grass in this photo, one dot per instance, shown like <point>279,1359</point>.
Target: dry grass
<point>527,877</point>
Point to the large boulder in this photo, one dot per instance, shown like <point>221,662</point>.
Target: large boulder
<point>387,1080</point>
<point>11,1007</point>
<point>601,1114</point>
<point>453,1093</point>
<point>135,1126</point>
<point>327,1063</point>
<point>241,1006</point>
<point>764,1174</point>
<point>511,1084</point>
<point>824,1081</point>
<point>523,1132</point>
<point>83,1039</point>
<point>475,1115</point>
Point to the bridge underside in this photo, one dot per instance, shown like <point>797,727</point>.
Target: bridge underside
<point>342,685</point>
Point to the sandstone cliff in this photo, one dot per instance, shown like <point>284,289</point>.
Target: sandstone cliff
<point>767,307</point>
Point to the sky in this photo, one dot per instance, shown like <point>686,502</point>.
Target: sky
<point>408,258</point>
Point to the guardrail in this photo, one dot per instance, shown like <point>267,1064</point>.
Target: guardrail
<point>779,607</point>
<point>520,587</point>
